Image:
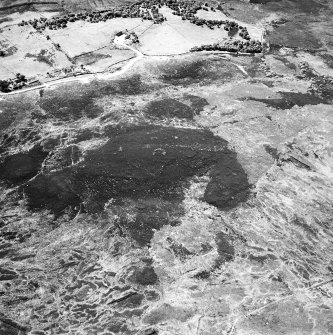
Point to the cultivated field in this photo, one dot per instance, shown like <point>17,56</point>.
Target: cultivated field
<point>176,36</point>
<point>81,37</point>
<point>31,53</point>
<point>88,45</point>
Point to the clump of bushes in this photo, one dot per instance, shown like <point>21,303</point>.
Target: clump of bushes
<point>13,84</point>
<point>232,46</point>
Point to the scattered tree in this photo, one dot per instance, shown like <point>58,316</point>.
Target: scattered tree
<point>4,86</point>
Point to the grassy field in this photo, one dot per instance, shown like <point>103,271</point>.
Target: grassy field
<point>81,37</point>
<point>37,53</point>
<point>27,41</point>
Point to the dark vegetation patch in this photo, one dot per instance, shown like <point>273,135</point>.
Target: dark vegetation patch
<point>268,83</point>
<point>286,62</point>
<point>62,158</point>
<point>144,276</point>
<point>202,275</point>
<point>22,166</point>
<point>129,313</point>
<point>328,59</point>
<point>166,312</point>
<point>297,6</point>
<point>179,250</point>
<point>52,191</point>
<point>149,166</point>
<point>152,295</point>
<point>50,143</point>
<point>73,102</point>
<point>225,248</point>
<point>291,99</point>
<point>262,1</point>
<point>6,48</point>
<point>132,85</point>
<point>197,103</point>
<point>149,331</point>
<point>272,151</point>
<point>254,69</point>
<point>85,135</point>
<point>14,236</point>
<point>233,31</point>
<point>184,71</point>
<point>169,108</point>
<point>10,327</point>
<point>132,301</point>
<point>261,258</point>
<point>198,71</point>
<point>7,274</point>
<point>302,99</point>
<point>323,87</point>
<point>69,105</point>
<point>90,58</point>
<point>294,34</point>
<point>11,111</point>
<point>16,8</point>
<point>301,222</point>
<point>18,137</point>
<point>278,103</point>
<point>5,19</point>
<point>150,216</point>
<point>42,57</point>
<point>228,185</point>
<point>117,326</point>
<point>146,161</point>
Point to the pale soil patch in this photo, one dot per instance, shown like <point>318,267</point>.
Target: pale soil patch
<point>164,39</point>
<point>209,15</point>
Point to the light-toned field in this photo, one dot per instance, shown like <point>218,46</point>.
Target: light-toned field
<point>27,41</point>
<point>176,36</point>
<point>255,30</point>
<point>81,42</point>
<point>81,37</point>
<point>34,54</point>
